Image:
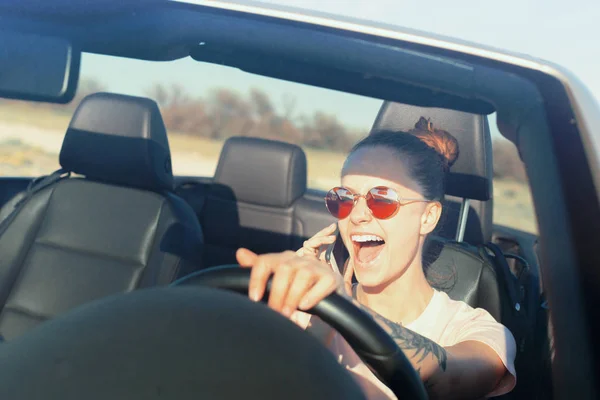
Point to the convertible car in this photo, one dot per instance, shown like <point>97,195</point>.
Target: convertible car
<point>118,276</point>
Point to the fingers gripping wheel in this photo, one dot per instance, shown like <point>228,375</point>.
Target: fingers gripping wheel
<point>374,346</point>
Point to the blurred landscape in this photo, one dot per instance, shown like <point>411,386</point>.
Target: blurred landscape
<point>31,135</point>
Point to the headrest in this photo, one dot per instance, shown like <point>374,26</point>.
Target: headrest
<point>261,171</point>
<point>119,139</point>
<point>472,173</point>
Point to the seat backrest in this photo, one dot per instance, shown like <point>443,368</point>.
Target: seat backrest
<point>456,268</point>
<point>471,175</point>
<point>461,271</point>
<point>115,228</point>
<point>251,200</point>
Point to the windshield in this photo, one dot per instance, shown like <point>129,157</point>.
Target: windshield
<point>204,104</point>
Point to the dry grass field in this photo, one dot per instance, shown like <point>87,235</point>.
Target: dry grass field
<point>31,137</point>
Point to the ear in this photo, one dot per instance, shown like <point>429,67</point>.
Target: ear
<point>431,216</point>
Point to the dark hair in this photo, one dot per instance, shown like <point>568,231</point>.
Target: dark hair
<point>429,153</point>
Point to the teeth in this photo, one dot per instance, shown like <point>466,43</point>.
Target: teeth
<point>366,238</point>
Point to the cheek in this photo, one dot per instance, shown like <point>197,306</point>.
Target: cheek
<point>403,228</point>
<point>343,227</point>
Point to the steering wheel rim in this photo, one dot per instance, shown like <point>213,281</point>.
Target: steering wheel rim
<point>369,340</point>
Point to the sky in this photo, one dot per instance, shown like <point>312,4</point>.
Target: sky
<point>563,32</point>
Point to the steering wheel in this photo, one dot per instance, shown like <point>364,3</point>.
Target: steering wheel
<point>372,344</point>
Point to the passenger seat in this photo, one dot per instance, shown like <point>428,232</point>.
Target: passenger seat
<point>115,228</point>
<point>258,200</point>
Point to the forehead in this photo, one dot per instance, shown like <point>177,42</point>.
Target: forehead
<point>377,166</point>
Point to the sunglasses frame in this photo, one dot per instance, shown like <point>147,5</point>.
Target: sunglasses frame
<point>400,201</point>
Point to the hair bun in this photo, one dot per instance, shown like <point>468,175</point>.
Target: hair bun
<point>441,141</point>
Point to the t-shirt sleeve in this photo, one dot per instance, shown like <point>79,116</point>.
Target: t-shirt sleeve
<point>478,325</point>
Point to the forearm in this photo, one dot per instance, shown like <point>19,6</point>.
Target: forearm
<point>461,371</point>
<point>427,357</point>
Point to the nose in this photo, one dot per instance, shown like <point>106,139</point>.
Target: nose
<point>361,212</point>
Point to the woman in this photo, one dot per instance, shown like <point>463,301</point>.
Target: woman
<point>389,201</point>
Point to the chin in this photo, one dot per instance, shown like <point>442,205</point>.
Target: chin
<point>371,274</point>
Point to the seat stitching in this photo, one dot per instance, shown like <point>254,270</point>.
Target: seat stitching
<point>88,252</point>
<point>26,312</point>
<point>470,255</point>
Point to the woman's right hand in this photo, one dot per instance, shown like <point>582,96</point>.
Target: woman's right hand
<point>298,283</point>
<point>313,247</point>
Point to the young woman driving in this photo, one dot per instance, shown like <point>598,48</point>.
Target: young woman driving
<point>389,200</point>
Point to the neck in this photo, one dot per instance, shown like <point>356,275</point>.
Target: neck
<point>402,300</point>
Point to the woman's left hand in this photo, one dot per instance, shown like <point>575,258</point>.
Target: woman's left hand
<point>298,282</point>
<point>314,247</point>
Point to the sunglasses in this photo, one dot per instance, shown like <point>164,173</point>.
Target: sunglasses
<point>383,202</point>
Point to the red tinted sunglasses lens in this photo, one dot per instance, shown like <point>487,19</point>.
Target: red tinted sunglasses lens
<point>383,202</point>
<point>339,202</point>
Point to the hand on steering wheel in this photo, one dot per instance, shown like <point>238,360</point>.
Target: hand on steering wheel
<point>298,282</point>
<point>369,340</point>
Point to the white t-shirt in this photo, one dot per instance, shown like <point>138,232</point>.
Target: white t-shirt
<point>446,322</point>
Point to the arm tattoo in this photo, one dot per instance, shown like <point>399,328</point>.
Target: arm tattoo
<point>408,340</point>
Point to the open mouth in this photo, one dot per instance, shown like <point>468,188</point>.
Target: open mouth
<point>367,247</point>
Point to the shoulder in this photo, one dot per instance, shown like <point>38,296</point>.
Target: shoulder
<point>444,319</point>
<point>463,322</point>
<point>460,312</point>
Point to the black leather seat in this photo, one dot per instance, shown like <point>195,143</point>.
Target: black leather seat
<point>258,200</point>
<point>251,200</point>
<point>115,228</point>
<point>471,175</point>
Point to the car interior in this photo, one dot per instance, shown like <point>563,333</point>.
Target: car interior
<point>71,252</point>
<point>276,213</point>
<point>201,223</point>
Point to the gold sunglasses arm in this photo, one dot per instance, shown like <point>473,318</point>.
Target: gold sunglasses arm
<point>405,200</point>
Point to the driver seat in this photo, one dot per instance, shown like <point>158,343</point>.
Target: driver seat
<point>453,263</point>
<point>114,228</point>
<point>459,262</point>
